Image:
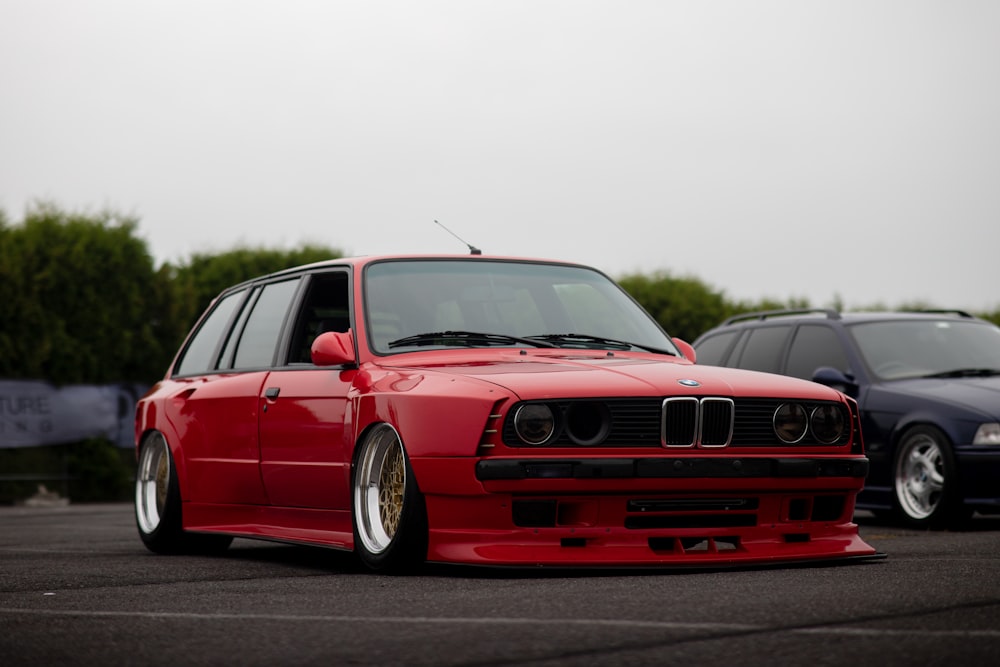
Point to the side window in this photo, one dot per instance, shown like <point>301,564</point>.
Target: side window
<point>812,347</point>
<point>259,339</point>
<point>200,356</point>
<point>763,348</point>
<point>325,308</point>
<point>712,350</point>
<point>226,360</point>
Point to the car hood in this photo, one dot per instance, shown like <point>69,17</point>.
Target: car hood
<point>571,375</point>
<point>980,394</point>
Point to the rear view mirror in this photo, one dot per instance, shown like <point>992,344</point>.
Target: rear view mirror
<point>686,349</point>
<point>333,348</point>
<point>835,379</point>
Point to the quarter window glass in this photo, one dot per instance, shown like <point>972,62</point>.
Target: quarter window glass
<point>199,357</point>
<point>762,351</point>
<point>260,336</point>
<point>712,350</point>
<point>226,360</point>
<point>812,347</point>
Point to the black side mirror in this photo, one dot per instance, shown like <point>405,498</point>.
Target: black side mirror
<point>835,379</point>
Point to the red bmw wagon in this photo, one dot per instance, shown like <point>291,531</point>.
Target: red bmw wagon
<point>485,410</point>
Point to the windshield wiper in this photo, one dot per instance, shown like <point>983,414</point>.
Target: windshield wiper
<point>965,373</point>
<point>587,341</point>
<point>465,338</point>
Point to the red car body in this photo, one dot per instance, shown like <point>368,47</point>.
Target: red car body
<point>438,419</point>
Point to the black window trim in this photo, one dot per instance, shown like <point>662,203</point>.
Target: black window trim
<point>220,343</point>
<point>236,323</point>
<point>284,348</point>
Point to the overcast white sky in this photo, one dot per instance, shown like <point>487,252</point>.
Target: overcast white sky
<point>771,149</point>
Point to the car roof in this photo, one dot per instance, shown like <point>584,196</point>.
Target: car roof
<point>362,260</point>
<point>845,318</point>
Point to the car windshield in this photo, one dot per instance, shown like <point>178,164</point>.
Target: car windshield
<point>895,350</point>
<point>421,304</point>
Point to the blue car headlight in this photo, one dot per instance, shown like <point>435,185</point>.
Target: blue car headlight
<point>987,434</point>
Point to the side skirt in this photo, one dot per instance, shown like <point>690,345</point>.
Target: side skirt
<point>297,525</point>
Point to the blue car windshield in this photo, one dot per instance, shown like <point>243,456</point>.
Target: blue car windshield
<point>927,348</point>
<point>420,304</point>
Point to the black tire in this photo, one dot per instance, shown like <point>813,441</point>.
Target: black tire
<point>388,510</point>
<point>925,481</point>
<point>158,504</point>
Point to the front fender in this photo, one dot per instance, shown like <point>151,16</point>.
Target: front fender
<point>434,415</point>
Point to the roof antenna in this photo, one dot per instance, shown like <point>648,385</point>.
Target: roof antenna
<point>472,249</point>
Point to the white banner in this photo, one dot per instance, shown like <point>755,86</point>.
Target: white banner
<point>34,413</point>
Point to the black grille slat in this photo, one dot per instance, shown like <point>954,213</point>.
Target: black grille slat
<point>754,422</point>
<point>651,422</point>
<point>634,422</point>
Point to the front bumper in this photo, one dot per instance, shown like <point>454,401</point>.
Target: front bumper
<point>636,512</point>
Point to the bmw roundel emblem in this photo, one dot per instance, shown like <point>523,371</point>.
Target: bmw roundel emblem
<point>689,383</point>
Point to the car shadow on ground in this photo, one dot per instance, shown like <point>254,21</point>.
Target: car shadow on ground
<point>320,559</point>
<point>978,523</point>
<point>334,562</point>
<point>326,561</point>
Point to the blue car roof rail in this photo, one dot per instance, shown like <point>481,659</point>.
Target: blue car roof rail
<point>830,313</point>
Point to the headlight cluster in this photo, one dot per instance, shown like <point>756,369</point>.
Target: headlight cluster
<point>987,434</point>
<point>583,422</point>
<point>792,421</point>
<point>677,422</point>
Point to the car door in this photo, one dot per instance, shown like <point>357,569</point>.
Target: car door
<point>304,449</point>
<point>216,407</point>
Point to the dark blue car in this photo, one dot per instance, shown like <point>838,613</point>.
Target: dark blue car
<point>928,385</point>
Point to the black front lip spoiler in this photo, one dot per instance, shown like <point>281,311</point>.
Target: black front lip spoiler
<point>664,568</point>
<point>660,468</point>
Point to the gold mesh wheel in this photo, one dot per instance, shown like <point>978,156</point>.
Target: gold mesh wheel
<point>379,489</point>
<point>392,482</point>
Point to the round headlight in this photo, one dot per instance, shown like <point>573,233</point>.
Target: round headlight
<point>534,423</point>
<point>587,423</point>
<point>827,423</point>
<point>790,422</point>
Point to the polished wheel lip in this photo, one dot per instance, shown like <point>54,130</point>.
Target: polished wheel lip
<point>151,483</point>
<point>918,480</point>
<point>379,489</point>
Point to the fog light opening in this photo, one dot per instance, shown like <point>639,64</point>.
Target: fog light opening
<point>799,509</point>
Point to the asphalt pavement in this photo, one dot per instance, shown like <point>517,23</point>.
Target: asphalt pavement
<point>78,588</point>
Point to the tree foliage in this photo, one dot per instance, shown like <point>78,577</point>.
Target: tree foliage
<point>80,299</point>
<point>82,302</point>
<point>683,306</point>
<point>686,307</point>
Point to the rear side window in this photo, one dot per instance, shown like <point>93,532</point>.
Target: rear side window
<point>259,339</point>
<point>763,349</point>
<point>201,354</point>
<point>712,350</point>
<point>812,347</point>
